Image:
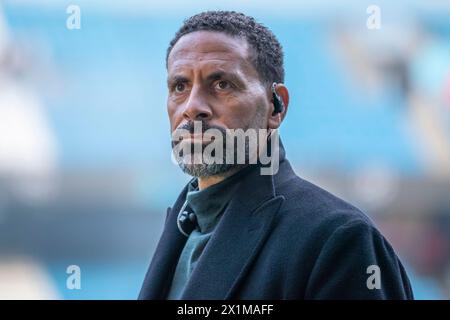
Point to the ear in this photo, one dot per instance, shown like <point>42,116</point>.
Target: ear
<point>274,120</point>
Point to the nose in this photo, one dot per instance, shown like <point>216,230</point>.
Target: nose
<point>197,107</point>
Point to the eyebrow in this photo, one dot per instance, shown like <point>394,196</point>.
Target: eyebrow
<point>176,79</point>
<point>211,77</point>
<point>217,75</point>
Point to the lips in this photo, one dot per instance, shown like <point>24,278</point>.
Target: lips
<point>198,138</point>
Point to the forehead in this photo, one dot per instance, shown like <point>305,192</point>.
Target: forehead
<point>203,49</point>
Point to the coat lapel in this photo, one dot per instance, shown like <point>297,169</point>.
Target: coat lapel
<point>244,226</point>
<point>159,275</point>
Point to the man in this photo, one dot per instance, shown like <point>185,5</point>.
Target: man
<point>234,232</point>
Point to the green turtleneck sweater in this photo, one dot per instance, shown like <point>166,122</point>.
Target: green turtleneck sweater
<point>208,205</point>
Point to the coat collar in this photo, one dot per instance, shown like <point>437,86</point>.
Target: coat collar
<point>238,237</point>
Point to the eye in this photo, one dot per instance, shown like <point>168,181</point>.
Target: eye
<point>223,85</point>
<point>179,87</point>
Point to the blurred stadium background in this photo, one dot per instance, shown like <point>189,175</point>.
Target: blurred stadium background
<point>85,169</point>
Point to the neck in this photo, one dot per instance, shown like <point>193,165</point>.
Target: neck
<point>205,182</point>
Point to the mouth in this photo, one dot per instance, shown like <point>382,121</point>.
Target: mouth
<point>198,138</point>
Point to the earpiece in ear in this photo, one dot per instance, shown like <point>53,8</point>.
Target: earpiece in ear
<point>277,102</point>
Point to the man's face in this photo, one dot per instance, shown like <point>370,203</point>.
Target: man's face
<point>211,79</point>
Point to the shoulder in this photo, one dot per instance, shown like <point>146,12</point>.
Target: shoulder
<point>335,240</point>
<point>316,214</point>
<point>303,198</point>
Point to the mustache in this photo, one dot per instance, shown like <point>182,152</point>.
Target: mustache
<point>189,126</point>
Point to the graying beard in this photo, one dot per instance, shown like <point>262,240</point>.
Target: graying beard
<point>205,170</point>
<point>208,170</point>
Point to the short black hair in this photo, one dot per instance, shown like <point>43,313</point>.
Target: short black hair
<point>267,53</point>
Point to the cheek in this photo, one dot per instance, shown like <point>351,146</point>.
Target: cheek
<point>238,114</point>
<point>172,114</point>
<point>233,111</point>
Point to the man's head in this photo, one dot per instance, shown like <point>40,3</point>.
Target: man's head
<point>221,66</point>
